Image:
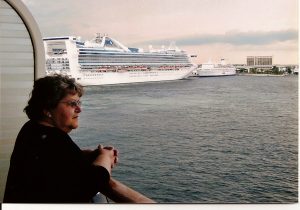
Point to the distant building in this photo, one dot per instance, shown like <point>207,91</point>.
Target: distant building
<point>259,64</point>
<point>260,61</point>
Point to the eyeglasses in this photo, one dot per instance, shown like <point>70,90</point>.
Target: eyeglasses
<point>73,104</point>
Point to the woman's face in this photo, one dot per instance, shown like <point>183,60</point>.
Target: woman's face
<point>65,115</point>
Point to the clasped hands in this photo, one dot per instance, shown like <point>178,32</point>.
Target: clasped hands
<point>107,157</point>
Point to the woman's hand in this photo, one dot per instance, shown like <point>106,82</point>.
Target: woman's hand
<point>107,158</point>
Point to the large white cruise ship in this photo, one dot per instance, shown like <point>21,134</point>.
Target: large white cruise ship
<point>104,60</point>
<point>210,69</point>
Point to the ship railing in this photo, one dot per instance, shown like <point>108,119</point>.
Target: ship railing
<point>118,192</point>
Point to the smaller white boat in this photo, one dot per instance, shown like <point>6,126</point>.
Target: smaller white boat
<point>210,69</point>
<point>296,70</point>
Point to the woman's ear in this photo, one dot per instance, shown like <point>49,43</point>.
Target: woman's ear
<point>47,113</point>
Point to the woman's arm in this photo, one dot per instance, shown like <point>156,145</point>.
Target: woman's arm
<point>121,193</point>
<point>115,190</point>
<point>90,155</point>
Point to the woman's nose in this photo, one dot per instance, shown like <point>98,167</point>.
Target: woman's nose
<point>78,109</point>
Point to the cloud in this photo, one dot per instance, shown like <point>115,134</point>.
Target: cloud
<point>234,38</point>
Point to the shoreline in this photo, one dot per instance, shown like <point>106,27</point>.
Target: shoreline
<point>263,75</point>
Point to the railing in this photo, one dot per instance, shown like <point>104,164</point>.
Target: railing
<point>120,193</point>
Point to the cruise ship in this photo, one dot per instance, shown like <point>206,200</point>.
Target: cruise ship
<point>210,69</point>
<point>104,61</point>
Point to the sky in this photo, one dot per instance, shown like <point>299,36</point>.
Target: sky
<point>210,29</point>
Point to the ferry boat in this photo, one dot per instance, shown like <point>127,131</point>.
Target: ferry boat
<point>296,70</point>
<point>104,61</point>
<point>210,69</point>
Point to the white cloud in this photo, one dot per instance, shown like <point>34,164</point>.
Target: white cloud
<point>234,38</point>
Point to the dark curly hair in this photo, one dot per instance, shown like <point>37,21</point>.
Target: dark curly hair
<point>47,92</point>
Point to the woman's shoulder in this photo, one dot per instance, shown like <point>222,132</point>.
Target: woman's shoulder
<point>36,135</point>
<point>34,128</point>
<point>34,132</point>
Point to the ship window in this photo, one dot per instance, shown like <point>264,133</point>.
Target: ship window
<point>56,48</point>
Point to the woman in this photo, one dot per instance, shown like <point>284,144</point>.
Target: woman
<point>46,165</point>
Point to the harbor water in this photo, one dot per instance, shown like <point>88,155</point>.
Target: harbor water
<point>199,140</point>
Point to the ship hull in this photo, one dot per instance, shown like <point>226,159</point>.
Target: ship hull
<point>110,78</point>
<point>216,73</point>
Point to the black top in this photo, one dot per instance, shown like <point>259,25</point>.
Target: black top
<point>46,166</point>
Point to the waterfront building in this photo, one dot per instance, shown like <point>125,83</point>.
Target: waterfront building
<point>259,63</point>
<point>259,60</point>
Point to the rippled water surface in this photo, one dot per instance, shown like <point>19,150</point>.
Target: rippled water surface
<point>200,140</point>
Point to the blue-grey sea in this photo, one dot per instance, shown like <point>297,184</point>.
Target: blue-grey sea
<point>200,140</point>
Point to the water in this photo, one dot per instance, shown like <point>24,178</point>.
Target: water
<point>200,140</point>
